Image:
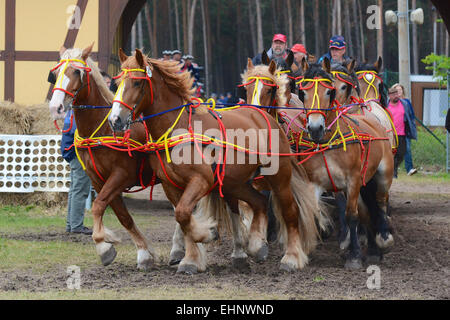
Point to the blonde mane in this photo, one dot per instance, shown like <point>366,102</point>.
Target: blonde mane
<point>281,81</point>
<point>95,73</point>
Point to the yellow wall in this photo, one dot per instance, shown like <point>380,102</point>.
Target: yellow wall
<point>2,27</point>
<point>42,26</point>
<point>88,32</point>
<point>31,84</point>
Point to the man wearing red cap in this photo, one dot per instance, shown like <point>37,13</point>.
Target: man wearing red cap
<point>278,49</point>
<point>299,53</point>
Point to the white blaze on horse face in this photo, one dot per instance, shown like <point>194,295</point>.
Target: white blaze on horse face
<point>117,110</point>
<point>257,94</point>
<point>56,104</point>
<point>368,77</point>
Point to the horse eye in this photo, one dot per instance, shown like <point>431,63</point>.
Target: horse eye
<point>344,87</point>
<point>77,72</point>
<point>136,83</point>
<point>328,92</point>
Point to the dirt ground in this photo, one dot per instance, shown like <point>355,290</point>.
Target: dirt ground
<point>418,267</point>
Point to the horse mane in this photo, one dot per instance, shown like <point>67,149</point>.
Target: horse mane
<point>281,81</point>
<point>179,83</point>
<point>315,70</point>
<point>342,67</point>
<point>95,73</point>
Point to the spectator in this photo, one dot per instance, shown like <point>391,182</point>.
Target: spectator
<point>408,155</point>
<point>176,55</point>
<point>337,50</point>
<point>191,67</point>
<point>299,53</point>
<point>403,119</point>
<point>222,99</point>
<point>80,184</point>
<point>277,50</point>
<point>167,55</point>
<point>110,84</point>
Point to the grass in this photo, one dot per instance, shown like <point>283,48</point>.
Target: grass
<point>427,152</point>
<point>203,292</point>
<point>421,177</point>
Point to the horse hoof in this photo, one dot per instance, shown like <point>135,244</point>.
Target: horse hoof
<point>385,242</point>
<point>144,260</point>
<point>353,264</point>
<point>176,257</point>
<point>108,256</point>
<point>363,240</point>
<point>262,253</point>
<point>189,269</point>
<point>241,264</point>
<point>287,268</point>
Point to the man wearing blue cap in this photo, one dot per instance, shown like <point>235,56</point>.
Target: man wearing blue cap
<point>337,50</point>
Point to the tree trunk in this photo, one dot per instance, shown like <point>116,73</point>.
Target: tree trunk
<point>177,23</point>
<point>185,26</point>
<point>155,10</point>
<point>140,35</point>
<point>149,29</point>
<point>361,30</point>
<point>302,22</point>
<point>333,17</point>
<point>259,26</point>
<point>169,12</point>
<point>275,26</point>
<point>133,36</point>
<point>290,24</point>
<point>205,47</point>
<point>316,28</point>
<point>252,24</point>
<point>356,30</point>
<point>339,17</point>
<point>191,27</point>
<point>380,30</point>
<point>347,28</point>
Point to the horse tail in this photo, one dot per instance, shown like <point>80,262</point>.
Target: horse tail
<point>212,209</point>
<point>313,212</point>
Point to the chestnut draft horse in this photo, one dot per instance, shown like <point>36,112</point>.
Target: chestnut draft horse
<point>371,86</point>
<point>334,160</point>
<point>155,89</point>
<point>79,84</point>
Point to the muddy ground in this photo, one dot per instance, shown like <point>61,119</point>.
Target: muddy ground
<point>418,267</point>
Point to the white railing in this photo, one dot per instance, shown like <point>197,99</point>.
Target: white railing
<point>32,163</point>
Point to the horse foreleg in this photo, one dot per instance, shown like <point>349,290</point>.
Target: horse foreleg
<point>239,256</point>
<point>177,250</point>
<point>145,253</point>
<point>384,238</point>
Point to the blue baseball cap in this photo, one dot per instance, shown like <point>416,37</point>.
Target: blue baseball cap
<point>337,42</point>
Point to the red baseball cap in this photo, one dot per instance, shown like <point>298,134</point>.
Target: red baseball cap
<point>298,48</point>
<point>279,37</point>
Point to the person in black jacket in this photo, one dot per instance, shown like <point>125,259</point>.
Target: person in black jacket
<point>447,121</point>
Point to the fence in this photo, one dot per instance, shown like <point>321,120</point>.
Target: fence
<point>32,163</point>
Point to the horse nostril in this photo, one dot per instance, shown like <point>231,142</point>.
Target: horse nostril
<point>60,109</point>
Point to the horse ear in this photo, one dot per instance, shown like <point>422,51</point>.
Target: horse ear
<point>351,65</point>
<point>250,64</point>
<point>265,58</point>
<point>304,65</point>
<point>122,56</point>
<point>62,50</point>
<point>139,57</point>
<point>326,65</point>
<point>290,59</point>
<point>272,67</point>
<point>87,51</point>
<point>378,64</point>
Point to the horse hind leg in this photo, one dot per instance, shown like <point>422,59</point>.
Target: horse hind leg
<point>177,250</point>
<point>239,256</point>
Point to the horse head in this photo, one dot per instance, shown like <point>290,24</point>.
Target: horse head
<point>317,92</point>
<point>370,82</point>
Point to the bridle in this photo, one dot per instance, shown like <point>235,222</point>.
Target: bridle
<point>316,99</point>
<point>362,75</point>
<point>257,80</point>
<point>58,81</point>
<point>119,94</point>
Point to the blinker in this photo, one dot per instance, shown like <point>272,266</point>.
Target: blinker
<point>51,77</point>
